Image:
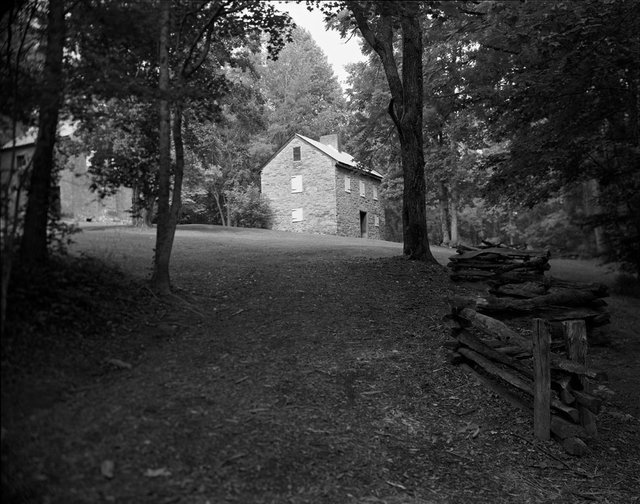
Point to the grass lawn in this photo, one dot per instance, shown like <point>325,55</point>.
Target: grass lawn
<point>287,368</point>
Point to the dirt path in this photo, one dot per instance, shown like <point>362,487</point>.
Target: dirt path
<point>304,369</point>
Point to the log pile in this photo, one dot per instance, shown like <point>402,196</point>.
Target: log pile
<point>502,359</point>
<point>519,287</point>
<point>497,262</point>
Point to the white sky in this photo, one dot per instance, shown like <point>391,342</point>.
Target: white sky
<point>339,51</point>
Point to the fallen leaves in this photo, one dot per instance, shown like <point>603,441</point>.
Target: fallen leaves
<point>107,468</point>
<point>157,473</point>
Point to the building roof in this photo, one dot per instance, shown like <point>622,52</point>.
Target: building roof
<point>342,159</point>
<point>31,135</point>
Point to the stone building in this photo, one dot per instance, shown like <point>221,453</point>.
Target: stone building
<point>77,202</point>
<point>314,187</point>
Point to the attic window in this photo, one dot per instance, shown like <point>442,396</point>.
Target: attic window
<point>296,153</point>
<point>21,161</point>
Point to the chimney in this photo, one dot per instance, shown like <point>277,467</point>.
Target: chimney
<point>333,140</point>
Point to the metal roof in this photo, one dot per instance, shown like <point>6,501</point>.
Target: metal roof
<point>30,137</point>
<point>341,157</point>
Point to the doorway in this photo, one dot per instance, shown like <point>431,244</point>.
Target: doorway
<point>363,224</point>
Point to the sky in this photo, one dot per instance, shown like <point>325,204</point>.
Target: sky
<point>339,51</point>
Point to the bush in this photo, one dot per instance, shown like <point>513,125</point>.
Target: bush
<point>248,208</point>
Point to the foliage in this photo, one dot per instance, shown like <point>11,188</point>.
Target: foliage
<point>121,136</point>
<point>381,24</point>
<point>248,208</point>
<point>561,83</point>
<point>21,34</point>
<point>226,151</point>
<point>301,92</point>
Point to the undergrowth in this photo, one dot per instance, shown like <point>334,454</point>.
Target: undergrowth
<point>68,315</point>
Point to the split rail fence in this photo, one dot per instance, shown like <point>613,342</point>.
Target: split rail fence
<point>545,371</point>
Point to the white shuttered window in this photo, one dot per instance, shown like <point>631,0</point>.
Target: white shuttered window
<point>362,189</point>
<point>296,183</point>
<point>347,184</point>
<point>296,215</point>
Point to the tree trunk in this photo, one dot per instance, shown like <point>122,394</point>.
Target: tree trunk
<point>414,211</point>
<point>139,217</point>
<point>444,214</point>
<point>176,197</point>
<point>453,215</point>
<point>405,108</point>
<point>164,234</point>
<point>216,196</point>
<point>34,238</point>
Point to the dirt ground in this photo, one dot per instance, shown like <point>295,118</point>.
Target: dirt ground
<point>289,369</point>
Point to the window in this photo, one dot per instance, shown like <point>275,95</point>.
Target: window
<point>296,183</point>
<point>375,193</point>
<point>296,215</point>
<point>296,153</point>
<point>21,161</point>
<point>347,184</point>
<point>376,221</point>
<point>362,189</point>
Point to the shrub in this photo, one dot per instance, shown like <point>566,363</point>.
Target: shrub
<point>248,208</point>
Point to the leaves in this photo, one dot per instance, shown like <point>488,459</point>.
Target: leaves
<point>161,472</point>
<point>107,468</point>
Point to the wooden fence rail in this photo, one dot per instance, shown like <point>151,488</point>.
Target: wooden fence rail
<point>555,383</point>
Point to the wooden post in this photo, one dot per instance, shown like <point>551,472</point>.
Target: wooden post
<point>575,337</point>
<point>542,380</point>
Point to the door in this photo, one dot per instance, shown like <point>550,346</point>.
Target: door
<point>363,224</point>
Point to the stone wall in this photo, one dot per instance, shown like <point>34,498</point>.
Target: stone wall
<point>317,198</point>
<point>79,203</point>
<point>326,207</point>
<point>351,205</point>
<point>75,199</point>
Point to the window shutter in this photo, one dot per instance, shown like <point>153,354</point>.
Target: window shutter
<point>362,189</point>
<point>376,221</point>
<point>375,193</point>
<point>347,184</point>
<point>296,183</point>
<point>296,215</point>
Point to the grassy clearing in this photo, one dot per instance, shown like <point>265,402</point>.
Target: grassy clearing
<point>298,371</point>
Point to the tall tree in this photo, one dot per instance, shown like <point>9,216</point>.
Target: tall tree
<point>122,136</point>
<point>124,56</point>
<point>196,31</point>
<point>563,90</point>
<point>167,218</point>
<point>18,100</point>
<point>301,91</point>
<point>34,238</point>
<point>379,23</point>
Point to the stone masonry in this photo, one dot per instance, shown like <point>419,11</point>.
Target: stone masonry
<point>351,205</point>
<point>308,195</point>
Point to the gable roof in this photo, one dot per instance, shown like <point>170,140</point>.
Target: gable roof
<point>342,159</point>
<point>28,138</point>
<point>31,135</point>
